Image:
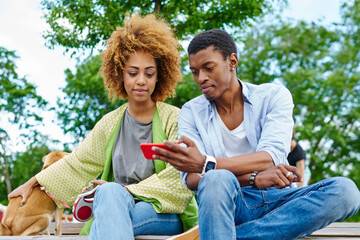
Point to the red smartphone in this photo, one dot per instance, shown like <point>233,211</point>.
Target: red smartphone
<point>146,149</point>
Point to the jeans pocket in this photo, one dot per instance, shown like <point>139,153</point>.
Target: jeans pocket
<point>252,197</point>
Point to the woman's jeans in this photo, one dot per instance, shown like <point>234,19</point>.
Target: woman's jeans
<point>118,216</point>
<point>228,211</point>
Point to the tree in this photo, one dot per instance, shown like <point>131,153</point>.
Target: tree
<point>320,66</point>
<point>4,164</point>
<point>19,105</point>
<point>26,164</point>
<point>86,100</point>
<point>84,24</point>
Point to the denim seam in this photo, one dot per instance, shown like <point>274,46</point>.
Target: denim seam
<point>151,220</point>
<point>255,206</point>
<point>285,205</point>
<point>285,198</point>
<point>236,194</point>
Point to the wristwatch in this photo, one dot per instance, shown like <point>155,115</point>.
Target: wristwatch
<point>210,164</point>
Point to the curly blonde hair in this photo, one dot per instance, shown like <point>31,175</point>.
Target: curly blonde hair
<point>147,34</point>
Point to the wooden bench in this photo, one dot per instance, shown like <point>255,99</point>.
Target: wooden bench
<point>338,231</point>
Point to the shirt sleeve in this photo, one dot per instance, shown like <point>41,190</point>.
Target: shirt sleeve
<point>187,127</point>
<point>277,126</point>
<point>171,195</point>
<point>66,178</point>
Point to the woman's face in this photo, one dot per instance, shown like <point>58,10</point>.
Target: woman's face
<point>140,76</point>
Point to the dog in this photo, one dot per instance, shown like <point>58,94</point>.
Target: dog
<point>2,211</point>
<point>35,215</point>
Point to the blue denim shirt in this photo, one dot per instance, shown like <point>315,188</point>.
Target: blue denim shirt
<point>268,122</point>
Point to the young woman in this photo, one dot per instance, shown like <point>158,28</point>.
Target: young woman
<point>136,196</point>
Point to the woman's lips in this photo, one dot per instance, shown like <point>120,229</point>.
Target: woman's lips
<point>140,91</point>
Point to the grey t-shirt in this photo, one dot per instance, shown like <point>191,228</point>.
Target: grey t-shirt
<point>128,162</point>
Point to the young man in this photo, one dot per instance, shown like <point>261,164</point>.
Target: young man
<point>237,138</point>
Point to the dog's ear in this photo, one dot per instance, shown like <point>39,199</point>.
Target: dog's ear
<point>52,158</point>
<point>43,159</point>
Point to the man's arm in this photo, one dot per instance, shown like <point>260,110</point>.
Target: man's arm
<point>189,159</point>
<point>272,148</point>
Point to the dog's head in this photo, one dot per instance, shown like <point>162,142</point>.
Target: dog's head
<point>52,158</point>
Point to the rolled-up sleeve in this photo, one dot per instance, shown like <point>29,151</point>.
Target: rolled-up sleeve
<point>277,127</point>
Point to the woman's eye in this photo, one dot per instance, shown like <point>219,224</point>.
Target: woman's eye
<point>149,75</point>
<point>132,73</point>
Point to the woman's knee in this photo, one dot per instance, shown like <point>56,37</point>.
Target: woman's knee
<point>110,188</point>
<point>111,191</point>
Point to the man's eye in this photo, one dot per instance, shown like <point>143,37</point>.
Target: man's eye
<point>194,71</point>
<point>209,69</point>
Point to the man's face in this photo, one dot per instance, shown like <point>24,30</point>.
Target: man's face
<point>211,72</point>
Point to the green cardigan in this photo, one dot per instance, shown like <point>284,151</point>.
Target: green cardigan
<point>164,189</point>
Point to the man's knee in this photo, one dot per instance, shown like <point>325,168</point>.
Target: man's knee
<point>218,177</point>
<point>348,192</point>
<point>218,182</point>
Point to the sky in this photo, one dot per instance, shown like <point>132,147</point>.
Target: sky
<point>21,28</point>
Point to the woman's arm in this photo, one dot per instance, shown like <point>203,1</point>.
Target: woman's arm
<point>24,190</point>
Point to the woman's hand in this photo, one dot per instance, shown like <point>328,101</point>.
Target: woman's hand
<point>24,190</point>
<point>92,183</point>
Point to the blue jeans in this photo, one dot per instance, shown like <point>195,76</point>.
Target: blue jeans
<point>228,211</point>
<point>118,216</point>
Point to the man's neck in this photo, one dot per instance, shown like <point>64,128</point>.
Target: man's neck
<point>230,107</point>
<point>231,100</point>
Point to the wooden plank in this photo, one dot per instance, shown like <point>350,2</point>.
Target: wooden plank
<point>345,224</point>
<point>339,230</point>
<point>335,231</point>
<point>150,237</point>
<point>45,237</point>
<point>67,228</point>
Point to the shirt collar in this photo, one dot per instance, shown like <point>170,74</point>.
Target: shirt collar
<point>245,93</point>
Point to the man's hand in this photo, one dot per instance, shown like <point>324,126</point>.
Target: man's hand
<point>279,176</point>
<point>186,159</point>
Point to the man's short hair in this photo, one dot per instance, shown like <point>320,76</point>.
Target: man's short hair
<point>219,39</point>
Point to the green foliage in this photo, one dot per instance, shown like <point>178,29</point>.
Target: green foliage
<point>185,91</point>
<point>19,104</point>
<point>17,95</point>
<point>83,24</point>
<point>24,165</point>
<point>321,68</point>
<point>86,100</point>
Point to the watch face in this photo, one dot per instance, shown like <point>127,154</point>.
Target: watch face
<point>210,166</point>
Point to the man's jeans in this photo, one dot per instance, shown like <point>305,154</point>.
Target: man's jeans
<point>118,216</point>
<point>228,211</point>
